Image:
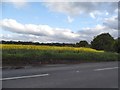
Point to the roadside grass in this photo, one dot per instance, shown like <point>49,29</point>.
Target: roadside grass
<point>31,54</point>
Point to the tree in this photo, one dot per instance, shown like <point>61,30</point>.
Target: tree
<point>82,44</point>
<point>117,45</point>
<point>103,41</point>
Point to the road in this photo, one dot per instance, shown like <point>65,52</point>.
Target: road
<point>85,75</point>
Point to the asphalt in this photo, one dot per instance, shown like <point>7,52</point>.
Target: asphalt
<point>85,75</point>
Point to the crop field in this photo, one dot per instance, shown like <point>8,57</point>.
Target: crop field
<point>46,48</point>
<point>36,54</point>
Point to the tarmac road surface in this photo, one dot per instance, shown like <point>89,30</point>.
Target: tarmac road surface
<point>85,75</point>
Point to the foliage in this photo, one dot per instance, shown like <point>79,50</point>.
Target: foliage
<point>117,45</point>
<point>36,43</point>
<point>82,44</point>
<point>103,42</point>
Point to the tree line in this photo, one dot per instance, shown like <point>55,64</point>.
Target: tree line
<point>36,43</point>
<point>103,41</point>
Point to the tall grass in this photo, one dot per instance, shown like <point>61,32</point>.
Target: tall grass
<point>31,54</point>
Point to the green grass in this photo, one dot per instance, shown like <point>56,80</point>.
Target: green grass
<point>31,54</point>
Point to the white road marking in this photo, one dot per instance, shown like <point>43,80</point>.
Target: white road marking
<point>105,69</point>
<point>11,78</point>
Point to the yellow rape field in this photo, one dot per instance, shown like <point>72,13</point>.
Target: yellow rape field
<point>13,54</point>
<point>53,48</point>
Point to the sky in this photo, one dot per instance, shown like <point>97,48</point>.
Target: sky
<point>63,22</point>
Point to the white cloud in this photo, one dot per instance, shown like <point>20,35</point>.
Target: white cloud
<point>70,20</point>
<point>111,22</point>
<point>96,10</point>
<point>80,0</point>
<point>92,15</point>
<point>63,7</point>
<point>106,13</point>
<point>97,14</point>
<point>45,31</point>
<point>89,33</point>
<point>19,3</point>
<point>110,25</point>
<point>116,10</point>
<point>69,0</point>
<point>77,8</point>
<point>34,38</point>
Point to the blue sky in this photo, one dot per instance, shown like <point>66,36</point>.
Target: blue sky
<point>57,22</point>
<point>37,13</point>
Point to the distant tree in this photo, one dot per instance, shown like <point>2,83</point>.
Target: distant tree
<point>82,44</point>
<point>37,43</point>
<point>103,42</point>
<point>117,45</point>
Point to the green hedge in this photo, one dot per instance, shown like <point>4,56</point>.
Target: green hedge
<point>20,57</point>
